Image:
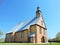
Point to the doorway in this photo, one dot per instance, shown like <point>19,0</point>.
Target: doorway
<point>43,39</point>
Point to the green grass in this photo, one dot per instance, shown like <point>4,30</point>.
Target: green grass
<point>27,44</point>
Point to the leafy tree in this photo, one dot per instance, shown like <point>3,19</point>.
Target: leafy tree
<point>1,33</point>
<point>58,36</point>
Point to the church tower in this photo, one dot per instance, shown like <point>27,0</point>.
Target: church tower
<point>38,12</point>
<point>41,28</point>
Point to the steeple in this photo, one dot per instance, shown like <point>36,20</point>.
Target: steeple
<point>38,12</point>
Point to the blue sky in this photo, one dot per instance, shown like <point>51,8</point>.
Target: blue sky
<point>13,12</point>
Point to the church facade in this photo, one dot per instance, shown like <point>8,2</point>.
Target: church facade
<point>34,31</point>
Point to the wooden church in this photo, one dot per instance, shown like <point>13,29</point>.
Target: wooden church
<point>34,31</point>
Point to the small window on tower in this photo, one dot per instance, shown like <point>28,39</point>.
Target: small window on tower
<point>41,22</point>
<point>40,30</point>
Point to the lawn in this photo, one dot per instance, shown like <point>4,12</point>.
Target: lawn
<point>27,44</point>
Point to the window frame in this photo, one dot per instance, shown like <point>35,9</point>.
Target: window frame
<point>40,31</point>
<point>22,34</point>
<point>42,22</point>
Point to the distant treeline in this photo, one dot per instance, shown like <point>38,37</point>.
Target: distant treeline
<point>53,40</point>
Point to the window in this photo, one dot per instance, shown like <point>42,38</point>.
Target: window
<point>22,34</point>
<point>40,30</point>
<point>41,22</point>
<point>16,36</point>
<point>44,32</point>
<point>10,39</point>
<point>10,36</point>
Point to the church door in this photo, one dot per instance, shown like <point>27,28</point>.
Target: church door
<point>43,40</point>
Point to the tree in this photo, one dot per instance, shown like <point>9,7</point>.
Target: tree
<point>56,39</point>
<point>1,33</point>
<point>58,36</point>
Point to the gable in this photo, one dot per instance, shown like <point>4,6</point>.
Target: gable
<point>41,21</point>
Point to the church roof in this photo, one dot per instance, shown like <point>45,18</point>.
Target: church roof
<point>24,25</point>
<point>27,25</point>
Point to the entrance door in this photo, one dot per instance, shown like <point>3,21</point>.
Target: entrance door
<point>43,40</point>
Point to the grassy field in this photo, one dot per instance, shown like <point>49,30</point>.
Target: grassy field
<point>27,44</point>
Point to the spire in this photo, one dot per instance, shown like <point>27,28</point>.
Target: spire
<point>38,12</point>
<point>37,8</point>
